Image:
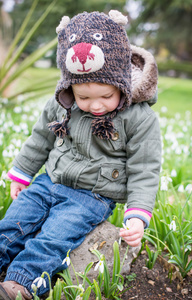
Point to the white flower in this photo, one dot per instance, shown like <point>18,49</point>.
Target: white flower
<point>17,109</point>
<point>181,188</point>
<point>127,225</point>
<point>173,173</point>
<point>4,175</point>
<point>163,109</point>
<point>66,260</point>
<point>172,226</point>
<point>2,183</point>
<point>100,265</point>
<point>164,182</point>
<point>79,298</point>
<point>40,281</point>
<point>34,287</point>
<point>188,188</point>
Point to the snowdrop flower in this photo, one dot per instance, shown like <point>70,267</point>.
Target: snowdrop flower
<point>100,266</point>
<point>127,225</point>
<point>4,175</point>
<point>26,108</point>
<point>163,109</point>
<point>2,183</point>
<point>178,151</point>
<point>173,173</point>
<point>188,188</point>
<point>20,98</point>
<point>40,281</point>
<point>172,226</point>
<point>67,259</point>
<point>17,109</point>
<point>181,188</point>
<point>164,182</point>
<point>79,298</point>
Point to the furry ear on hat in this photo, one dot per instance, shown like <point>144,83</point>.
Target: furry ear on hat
<point>118,17</point>
<point>144,76</point>
<point>64,22</point>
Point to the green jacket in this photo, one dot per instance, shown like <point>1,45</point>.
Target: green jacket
<point>124,169</point>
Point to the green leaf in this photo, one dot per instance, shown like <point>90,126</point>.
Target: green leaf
<point>116,263</point>
<point>87,293</point>
<point>57,290</point>
<point>97,290</point>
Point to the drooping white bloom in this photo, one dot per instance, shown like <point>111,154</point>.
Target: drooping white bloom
<point>163,109</point>
<point>79,298</point>
<point>181,188</point>
<point>100,266</point>
<point>2,183</point>
<point>173,173</point>
<point>17,109</point>
<point>172,226</point>
<point>164,182</point>
<point>39,281</point>
<point>66,260</point>
<point>188,188</point>
<point>127,225</point>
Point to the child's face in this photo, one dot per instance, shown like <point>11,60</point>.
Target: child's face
<point>96,98</point>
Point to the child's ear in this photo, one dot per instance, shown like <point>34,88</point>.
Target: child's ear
<point>66,98</point>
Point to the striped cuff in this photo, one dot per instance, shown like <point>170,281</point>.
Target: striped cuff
<point>19,176</point>
<point>139,217</point>
<point>139,209</point>
<point>139,213</point>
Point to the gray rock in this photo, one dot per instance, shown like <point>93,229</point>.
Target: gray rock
<point>101,239</point>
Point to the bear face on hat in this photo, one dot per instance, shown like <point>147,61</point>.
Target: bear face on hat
<point>92,47</point>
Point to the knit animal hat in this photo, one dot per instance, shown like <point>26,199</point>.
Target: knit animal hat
<point>93,47</point>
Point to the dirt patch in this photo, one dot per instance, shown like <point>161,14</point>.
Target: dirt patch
<point>155,283</point>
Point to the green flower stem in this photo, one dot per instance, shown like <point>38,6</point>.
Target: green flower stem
<point>159,241</point>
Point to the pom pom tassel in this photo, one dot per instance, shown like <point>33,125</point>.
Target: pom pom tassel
<point>103,128</point>
<point>60,129</point>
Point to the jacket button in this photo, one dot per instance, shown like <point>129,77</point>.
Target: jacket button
<point>60,142</point>
<point>115,174</point>
<point>115,136</point>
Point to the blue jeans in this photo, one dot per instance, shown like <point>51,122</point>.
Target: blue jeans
<point>64,216</point>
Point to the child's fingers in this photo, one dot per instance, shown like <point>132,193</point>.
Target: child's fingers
<point>134,243</point>
<point>130,232</point>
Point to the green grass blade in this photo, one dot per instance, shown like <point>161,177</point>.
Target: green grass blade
<point>27,38</point>
<point>116,263</point>
<point>19,33</point>
<point>29,61</point>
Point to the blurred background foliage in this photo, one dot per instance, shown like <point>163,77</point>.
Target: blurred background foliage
<point>162,27</point>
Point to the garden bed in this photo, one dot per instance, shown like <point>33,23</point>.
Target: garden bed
<point>155,283</point>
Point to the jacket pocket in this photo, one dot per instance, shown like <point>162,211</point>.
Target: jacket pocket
<point>61,147</point>
<point>112,181</point>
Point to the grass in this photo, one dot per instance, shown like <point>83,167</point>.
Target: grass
<point>175,94</point>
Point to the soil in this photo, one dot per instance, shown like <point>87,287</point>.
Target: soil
<point>153,284</point>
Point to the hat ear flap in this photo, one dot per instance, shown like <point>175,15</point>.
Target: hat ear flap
<point>144,76</point>
<point>64,22</point>
<point>65,98</point>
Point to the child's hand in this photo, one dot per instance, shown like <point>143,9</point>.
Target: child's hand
<point>16,188</point>
<point>134,235</point>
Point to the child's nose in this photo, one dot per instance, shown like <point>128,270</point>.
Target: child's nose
<point>96,105</point>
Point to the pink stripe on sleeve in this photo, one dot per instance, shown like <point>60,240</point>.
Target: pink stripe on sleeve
<point>139,209</point>
<point>11,176</point>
